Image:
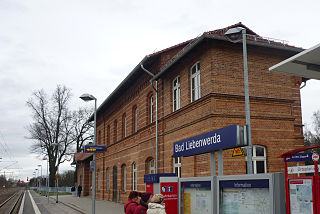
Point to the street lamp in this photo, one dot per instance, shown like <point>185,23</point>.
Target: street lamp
<point>89,97</point>
<point>235,35</point>
<point>47,179</point>
<point>37,177</point>
<point>41,171</point>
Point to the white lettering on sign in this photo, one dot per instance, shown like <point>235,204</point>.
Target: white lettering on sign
<point>216,138</point>
<point>302,169</point>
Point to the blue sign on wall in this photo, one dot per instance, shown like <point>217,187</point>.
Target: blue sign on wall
<point>300,157</point>
<point>262,183</point>
<point>155,178</point>
<point>225,138</point>
<point>94,148</point>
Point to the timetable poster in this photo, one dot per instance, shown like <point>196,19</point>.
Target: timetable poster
<point>245,201</point>
<point>301,201</point>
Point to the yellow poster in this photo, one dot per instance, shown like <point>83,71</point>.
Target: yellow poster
<point>187,203</point>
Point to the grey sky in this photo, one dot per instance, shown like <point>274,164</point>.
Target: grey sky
<point>90,46</point>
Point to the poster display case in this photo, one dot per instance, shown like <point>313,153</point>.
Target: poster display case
<point>251,194</point>
<point>302,192</point>
<point>197,195</point>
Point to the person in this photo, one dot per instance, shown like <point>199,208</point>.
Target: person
<point>143,206</point>
<point>73,191</point>
<point>79,190</point>
<point>132,203</point>
<point>156,205</point>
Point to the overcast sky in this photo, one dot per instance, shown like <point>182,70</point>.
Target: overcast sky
<point>91,46</point>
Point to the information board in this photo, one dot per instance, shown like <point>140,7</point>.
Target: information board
<point>245,197</point>
<point>301,201</point>
<point>196,198</point>
<point>245,200</point>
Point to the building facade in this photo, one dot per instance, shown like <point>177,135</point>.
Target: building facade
<point>200,87</point>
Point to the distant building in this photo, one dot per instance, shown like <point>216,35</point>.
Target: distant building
<point>200,89</point>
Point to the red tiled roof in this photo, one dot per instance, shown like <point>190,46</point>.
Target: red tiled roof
<point>251,35</point>
<point>81,156</point>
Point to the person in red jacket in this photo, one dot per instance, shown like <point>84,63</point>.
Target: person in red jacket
<point>143,206</point>
<point>132,203</point>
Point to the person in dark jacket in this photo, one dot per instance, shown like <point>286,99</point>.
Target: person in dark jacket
<point>132,203</point>
<point>79,190</point>
<point>143,207</point>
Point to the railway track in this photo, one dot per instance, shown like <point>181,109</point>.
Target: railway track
<point>12,203</point>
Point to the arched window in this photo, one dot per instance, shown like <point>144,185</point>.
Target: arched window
<point>108,180</point>
<point>123,178</point>
<point>195,81</point>
<point>124,125</point>
<point>115,131</point>
<point>134,119</point>
<point>151,166</point>
<point>177,166</point>
<point>176,93</point>
<point>134,176</point>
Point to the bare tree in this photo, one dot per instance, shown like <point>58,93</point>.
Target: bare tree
<point>51,128</point>
<point>82,131</point>
<point>313,137</point>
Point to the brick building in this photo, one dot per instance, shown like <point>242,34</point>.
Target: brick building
<point>200,88</point>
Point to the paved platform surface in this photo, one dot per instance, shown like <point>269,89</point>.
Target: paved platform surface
<point>34,203</point>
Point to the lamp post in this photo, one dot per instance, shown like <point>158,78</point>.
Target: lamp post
<point>47,179</point>
<point>41,172</point>
<point>235,35</point>
<point>37,170</point>
<point>87,98</point>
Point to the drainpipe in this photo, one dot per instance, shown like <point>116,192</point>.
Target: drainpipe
<point>156,90</point>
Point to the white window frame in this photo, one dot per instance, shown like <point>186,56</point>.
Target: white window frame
<point>151,166</point>
<point>177,166</point>
<point>196,86</point>
<point>151,108</point>
<point>124,178</point>
<point>176,93</point>
<point>134,176</point>
<point>108,180</point>
<point>256,158</point>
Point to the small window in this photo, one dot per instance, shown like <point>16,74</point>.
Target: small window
<point>177,166</point>
<point>134,177</point>
<point>135,119</point>
<point>99,179</point>
<point>259,159</point>
<point>108,180</point>
<point>115,130</point>
<point>124,125</point>
<point>123,178</point>
<point>108,135</point>
<point>99,137</point>
<point>151,108</point>
<point>195,81</point>
<point>176,93</point>
<point>151,166</point>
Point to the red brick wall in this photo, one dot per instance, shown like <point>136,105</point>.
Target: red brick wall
<point>275,113</point>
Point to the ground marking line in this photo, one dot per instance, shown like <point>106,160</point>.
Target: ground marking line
<point>35,207</point>
<point>22,203</point>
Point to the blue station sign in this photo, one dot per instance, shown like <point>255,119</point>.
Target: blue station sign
<point>263,183</point>
<point>94,148</point>
<point>225,138</point>
<point>299,157</point>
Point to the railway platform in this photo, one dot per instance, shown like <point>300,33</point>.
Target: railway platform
<point>36,204</point>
